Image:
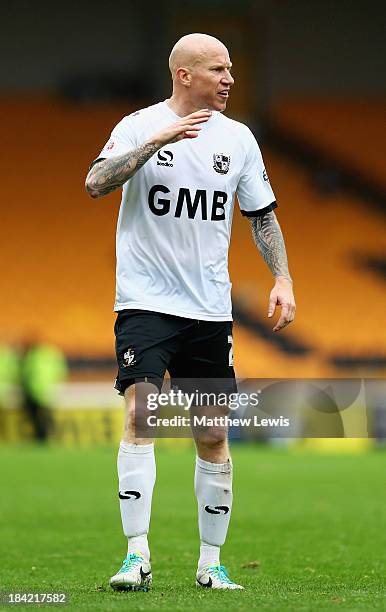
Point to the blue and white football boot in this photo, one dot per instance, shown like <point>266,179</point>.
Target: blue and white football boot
<point>215,577</point>
<point>134,575</point>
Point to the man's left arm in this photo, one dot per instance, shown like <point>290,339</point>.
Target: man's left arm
<point>269,240</point>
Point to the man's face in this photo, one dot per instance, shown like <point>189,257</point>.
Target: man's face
<point>211,81</point>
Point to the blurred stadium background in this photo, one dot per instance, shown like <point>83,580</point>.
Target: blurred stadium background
<point>310,83</point>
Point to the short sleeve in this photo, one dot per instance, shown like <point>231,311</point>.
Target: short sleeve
<point>254,191</point>
<point>122,140</point>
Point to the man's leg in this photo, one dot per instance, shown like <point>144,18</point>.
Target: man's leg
<point>213,488</point>
<point>136,474</point>
<point>206,364</point>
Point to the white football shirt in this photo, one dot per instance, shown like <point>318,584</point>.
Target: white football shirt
<point>175,218</point>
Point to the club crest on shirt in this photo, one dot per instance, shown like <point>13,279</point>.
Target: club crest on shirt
<point>221,162</point>
<point>129,358</point>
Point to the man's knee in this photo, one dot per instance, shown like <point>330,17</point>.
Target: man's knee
<point>136,412</point>
<point>212,439</point>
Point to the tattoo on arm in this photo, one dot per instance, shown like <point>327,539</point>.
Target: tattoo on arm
<point>270,242</point>
<point>110,174</point>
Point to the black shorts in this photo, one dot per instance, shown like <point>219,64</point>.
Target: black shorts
<point>149,343</point>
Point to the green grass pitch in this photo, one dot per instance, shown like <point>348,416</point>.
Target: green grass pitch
<point>307,532</point>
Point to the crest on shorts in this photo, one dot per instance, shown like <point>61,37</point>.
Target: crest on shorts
<point>129,358</point>
<point>221,162</point>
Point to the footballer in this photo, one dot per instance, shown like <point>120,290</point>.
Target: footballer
<point>180,163</point>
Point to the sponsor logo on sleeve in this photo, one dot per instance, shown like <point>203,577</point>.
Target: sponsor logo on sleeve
<point>109,145</point>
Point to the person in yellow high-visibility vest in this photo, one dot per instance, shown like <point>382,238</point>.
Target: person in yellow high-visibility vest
<point>42,367</point>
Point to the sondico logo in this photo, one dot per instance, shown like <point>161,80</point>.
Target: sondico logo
<point>129,494</point>
<point>217,509</point>
<point>165,158</point>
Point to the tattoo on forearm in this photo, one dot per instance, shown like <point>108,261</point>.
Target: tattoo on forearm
<point>109,174</point>
<point>270,242</point>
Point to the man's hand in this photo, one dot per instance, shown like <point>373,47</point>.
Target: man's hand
<point>186,127</point>
<point>269,240</point>
<point>282,295</point>
<point>109,174</point>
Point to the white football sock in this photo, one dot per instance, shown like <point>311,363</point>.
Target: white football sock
<point>136,473</point>
<point>139,544</point>
<point>209,555</point>
<point>213,487</point>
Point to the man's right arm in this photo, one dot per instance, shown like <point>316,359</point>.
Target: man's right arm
<point>107,175</point>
